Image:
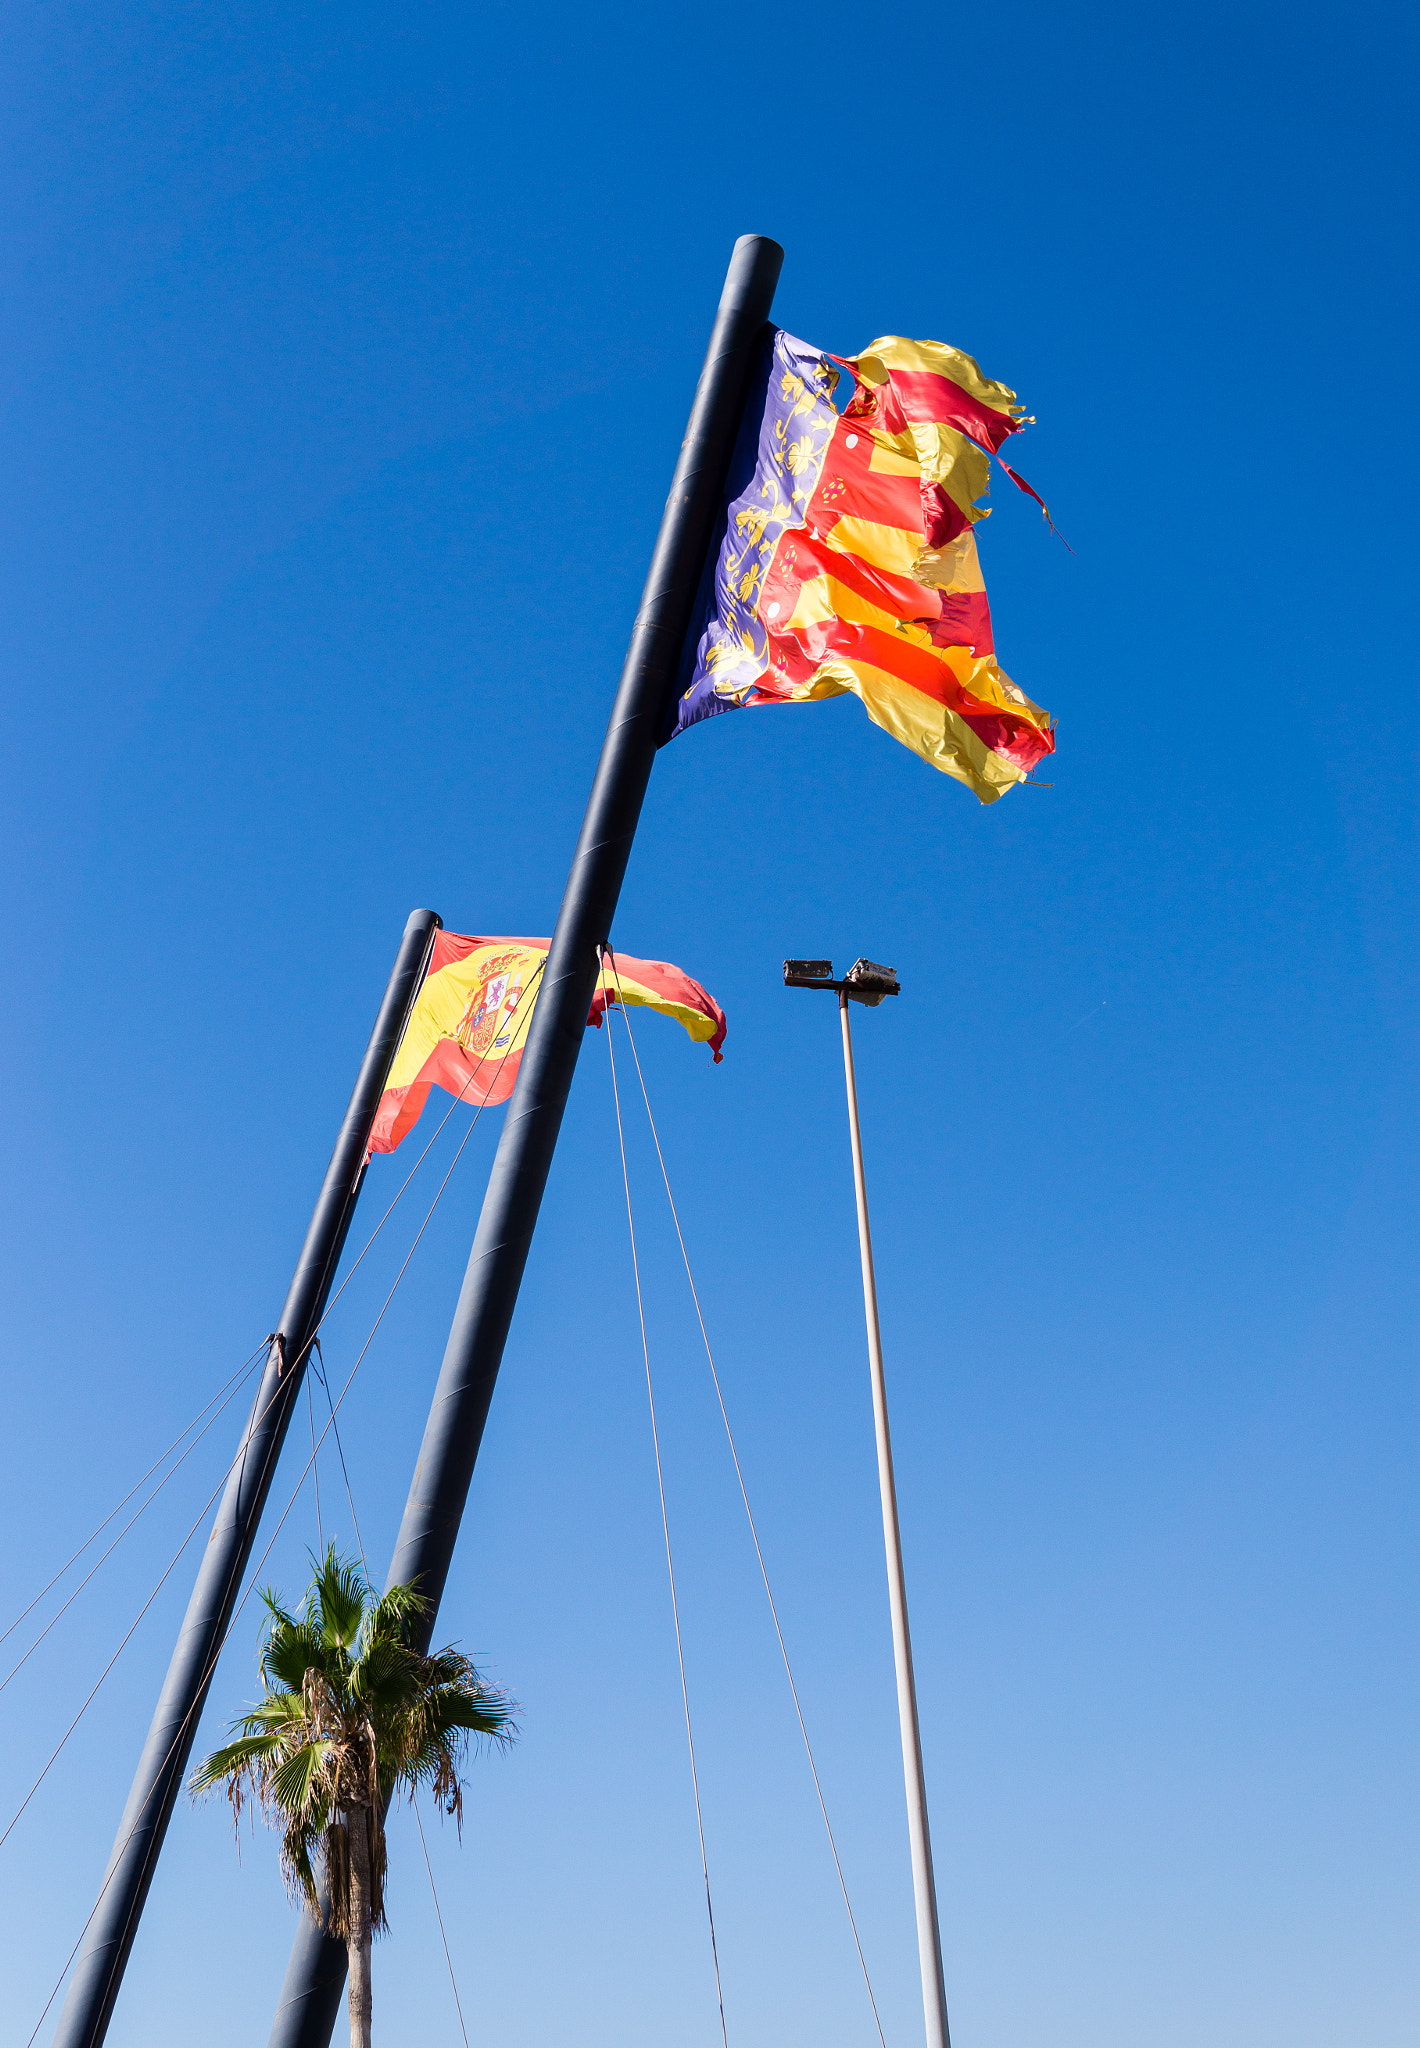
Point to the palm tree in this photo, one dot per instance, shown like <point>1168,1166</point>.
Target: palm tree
<point>352,1714</point>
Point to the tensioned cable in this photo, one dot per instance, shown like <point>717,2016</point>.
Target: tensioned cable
<point>172,1747</point>
<point>226,1633</point>
<point>744,1493</point>
<point>345,1470</point>
<point>202,1514</point>
<point>315,1468</point>
<point>241,1453</point>
<point>440,1918</point>
<point>241,1373</point>
<point>262,1350</point>
<point>177,1467</point>
<point>666,1531</point>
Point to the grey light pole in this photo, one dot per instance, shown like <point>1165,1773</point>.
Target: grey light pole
<point>866,982</point>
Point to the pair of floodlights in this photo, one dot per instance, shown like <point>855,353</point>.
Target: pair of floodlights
<point>865,981</point>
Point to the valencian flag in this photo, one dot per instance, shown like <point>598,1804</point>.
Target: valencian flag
<point>469,1024</point>
<point>846,558</point>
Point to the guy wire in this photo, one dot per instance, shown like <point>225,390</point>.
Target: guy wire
<point>176,1467</point>
<point>315,1468</point>
<point>744,1493</point>
<point>458,2002</point>
<point>319,1362</point>
<point>116,1854</point>
<point>242,1370</point>
<point>262,1350</point>
<point>666,1527</point>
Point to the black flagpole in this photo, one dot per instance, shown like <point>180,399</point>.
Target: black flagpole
<point>310,1997</point>
<point>109,1937</point>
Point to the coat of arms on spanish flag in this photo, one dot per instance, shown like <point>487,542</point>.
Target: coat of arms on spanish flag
<point>470,1021</point>
<point>847,557</point>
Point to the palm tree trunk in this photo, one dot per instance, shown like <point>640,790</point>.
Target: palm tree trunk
<point>357,1821</point>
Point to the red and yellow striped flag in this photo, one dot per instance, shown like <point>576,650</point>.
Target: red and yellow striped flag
<point>469,1023</point>
<point>849,559</point>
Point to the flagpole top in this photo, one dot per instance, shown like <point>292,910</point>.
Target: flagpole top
<point>755,264</point>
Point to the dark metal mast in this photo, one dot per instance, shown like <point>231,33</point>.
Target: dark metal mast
<point>103,1957</point>
<point>310,1996</point>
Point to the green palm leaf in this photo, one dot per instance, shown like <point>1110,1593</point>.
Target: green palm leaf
<point>295,1783</point>
<point>340,1600</point>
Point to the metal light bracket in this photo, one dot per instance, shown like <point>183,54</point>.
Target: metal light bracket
<point>865,982</point>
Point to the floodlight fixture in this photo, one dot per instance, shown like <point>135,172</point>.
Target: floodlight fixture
<point>865,982</point>
<point>809,974</point>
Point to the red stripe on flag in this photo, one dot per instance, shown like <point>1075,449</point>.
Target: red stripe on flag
<point>451,946</point>
<point>802,555</point>
<point>1014,738</point>
<point>486,1081</point>
<point>797,654</point>
<point>942,517</point>
<point>965,622</point>
<point>920,397</point>
<point>661,979</point>
<point>847,487</point>
<point>953,619</point>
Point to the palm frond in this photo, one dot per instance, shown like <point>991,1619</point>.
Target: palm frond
<point>296,1780</point>
<point>395,1610</point>
<point>481,1713</point>
<point>277,1711</point>
<point>340,1595</point>
<point>291,1649</point>
<point>238,1756</point>
<point>271,1601</point>
<point>385,1683</point>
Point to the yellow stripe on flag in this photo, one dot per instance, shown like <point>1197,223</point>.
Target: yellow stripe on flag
<point>894,548</point>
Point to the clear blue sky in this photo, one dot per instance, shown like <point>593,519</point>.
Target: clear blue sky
<point>346,353</point>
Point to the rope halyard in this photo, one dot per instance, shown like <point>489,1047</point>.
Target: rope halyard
<point>739,1475</point>
<point>665,1522</point>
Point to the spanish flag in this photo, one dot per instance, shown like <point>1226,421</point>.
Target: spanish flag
<point>470,1021</point>
<point>848,557</point>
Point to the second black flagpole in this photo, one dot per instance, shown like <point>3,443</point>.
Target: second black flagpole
<point>113,1923</point>
<point>310,1997</point>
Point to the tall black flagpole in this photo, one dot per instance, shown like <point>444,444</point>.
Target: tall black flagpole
<point>310,1997</point>
<point>109,1938</point>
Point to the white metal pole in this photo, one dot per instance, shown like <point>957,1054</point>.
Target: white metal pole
<point>924,1885</point>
